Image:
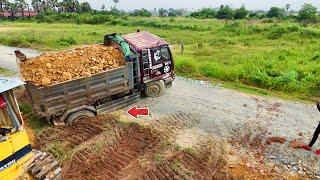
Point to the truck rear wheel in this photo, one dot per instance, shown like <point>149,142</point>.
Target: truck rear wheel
<point>154,89</point>
<point>79,115</point>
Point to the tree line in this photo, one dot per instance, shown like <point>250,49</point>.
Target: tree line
<point>308,13</point>
<point>44,6</point>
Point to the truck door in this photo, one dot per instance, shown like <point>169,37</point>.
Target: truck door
<point>161,61</point>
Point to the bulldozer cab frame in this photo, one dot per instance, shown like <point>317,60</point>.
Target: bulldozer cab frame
<point>16,151</point>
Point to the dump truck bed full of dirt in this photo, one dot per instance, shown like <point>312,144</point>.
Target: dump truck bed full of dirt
<point>54,68</point>
<point>56,99</point>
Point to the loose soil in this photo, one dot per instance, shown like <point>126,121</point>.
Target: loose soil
<point>53,68</point>
<point>106,148</point>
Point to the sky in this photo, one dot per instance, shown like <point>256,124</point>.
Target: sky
<point>198,4</point>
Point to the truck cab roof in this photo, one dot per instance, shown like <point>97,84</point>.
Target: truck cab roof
<point>144,40</point>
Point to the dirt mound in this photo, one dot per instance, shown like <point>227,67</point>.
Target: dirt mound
<point>53,68</point>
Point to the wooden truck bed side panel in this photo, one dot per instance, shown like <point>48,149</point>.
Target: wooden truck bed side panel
<point>56,99</point>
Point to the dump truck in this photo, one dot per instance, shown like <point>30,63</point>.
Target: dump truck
<point>148,69</point>
<point>17,158</point>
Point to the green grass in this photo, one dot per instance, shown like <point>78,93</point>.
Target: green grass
<point>5,72</point>
<point>273,58</point>
<point>158,158</point>
<point>38,125</point>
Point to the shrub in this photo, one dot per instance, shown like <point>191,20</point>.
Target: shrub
<point>210,70</point>
<point>288,81</point>
<point>185,67</point>
<point>66,41</point>
<point>277,32</point>
<point>259,77</point>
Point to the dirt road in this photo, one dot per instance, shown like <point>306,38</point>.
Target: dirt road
<point>221,111</point>
<point>8,59</point>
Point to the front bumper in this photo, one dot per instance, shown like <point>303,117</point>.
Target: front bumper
<point>168,81</point>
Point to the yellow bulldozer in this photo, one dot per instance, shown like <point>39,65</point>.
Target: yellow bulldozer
<point>17,158</point>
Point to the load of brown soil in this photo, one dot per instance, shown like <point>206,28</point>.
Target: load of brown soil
<point>53,68</point>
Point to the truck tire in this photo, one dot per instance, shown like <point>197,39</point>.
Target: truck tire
<point>79,115</point>
<point>154,89</point>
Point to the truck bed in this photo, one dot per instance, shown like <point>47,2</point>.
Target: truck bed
<point>56,99</point>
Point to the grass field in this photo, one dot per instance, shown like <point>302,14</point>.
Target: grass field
<point>5,72</point>
<point>276,57</point>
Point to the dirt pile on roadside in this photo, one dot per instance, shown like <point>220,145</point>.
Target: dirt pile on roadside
<point>53,68</point>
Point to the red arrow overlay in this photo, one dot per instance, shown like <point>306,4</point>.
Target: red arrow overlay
<point>135,112</point>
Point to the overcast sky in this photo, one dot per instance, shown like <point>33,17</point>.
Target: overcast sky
<point>197,4</point>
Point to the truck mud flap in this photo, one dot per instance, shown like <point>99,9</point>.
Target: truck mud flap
<point>118,104</point>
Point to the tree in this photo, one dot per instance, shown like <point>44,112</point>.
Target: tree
<point>288,6</point>
<point>204,13</point>
<point>141,12</point>
<point>225,12</point>
<point>69,5</point>
<point>275,12</point>
<point>84,7</point>
<point>53,4</point>
<point>115,3</point>
<point>21,5</point>
<point>3,3</point>
<point>36,5</point>
<point>103,7</point>
<point>173,12</point>
<point>11,8</point>
<point>241,13</point>
<point>307,13</point>
<point>162,12</point>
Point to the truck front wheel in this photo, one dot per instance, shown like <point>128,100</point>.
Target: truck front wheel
<point>79,115</point>
<point>154,89</point>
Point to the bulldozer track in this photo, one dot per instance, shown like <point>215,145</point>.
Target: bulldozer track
<point>44,166</point>
<point>169,126</point>
<point>191,167</point>
<point>73,135</point>
<point>132,142</point>
<point>107,149</point>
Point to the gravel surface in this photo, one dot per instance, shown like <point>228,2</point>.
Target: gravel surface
<point>230,114</point>
<point>222,110</point>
